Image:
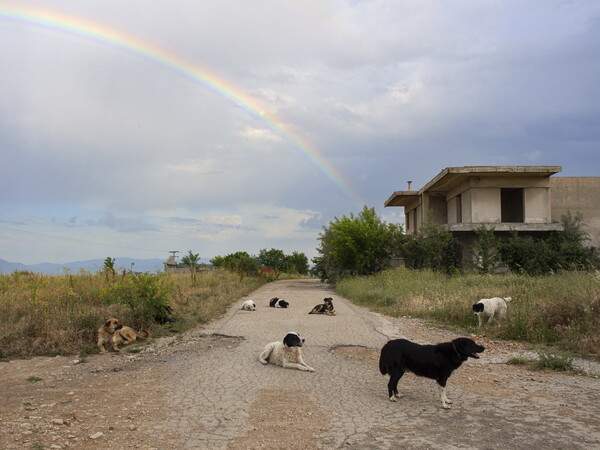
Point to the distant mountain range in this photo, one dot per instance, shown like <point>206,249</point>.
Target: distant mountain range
<point>92,265</point>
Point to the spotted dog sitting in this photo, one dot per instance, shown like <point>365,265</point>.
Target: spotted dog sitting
<point>286,354</point>
<point>324,308</point>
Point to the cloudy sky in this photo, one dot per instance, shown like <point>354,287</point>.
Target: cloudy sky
<point>132,128</point>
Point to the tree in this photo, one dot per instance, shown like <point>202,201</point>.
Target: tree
<point>109,268</point>
<point>239,262</point>
<point>296,263</point>
<point>359,245</point>
<point>274,258</point>
<point>191,261</point>
<point>433,247</point>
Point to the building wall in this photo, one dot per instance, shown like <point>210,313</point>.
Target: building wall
<point>485,205</point>
<point>537,205</point>
<point>578,194</point>
<point>452,209</point>
<point>466,207</point>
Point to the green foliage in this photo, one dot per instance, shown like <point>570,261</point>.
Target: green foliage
<point>563,250</point>
<point>433,247</point>
<point>485,251</point>
<point>273,258</point>
<point>247,266</point>
<point>109,268</point>
<point>356,246</point>
<point>561,309</point>
<point>296,263</point>
<point>558,363</point>
<point>229,262</point>
<point>147,296</point>
<point>517,361</point>
<point>191,261</point>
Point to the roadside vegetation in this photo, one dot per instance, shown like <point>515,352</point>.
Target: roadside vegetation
<point>562,309</point>
<point>59,315</point>
<point>554,282</point>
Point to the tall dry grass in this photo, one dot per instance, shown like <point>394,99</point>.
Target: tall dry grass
<point>52,315</point>
<point>561,309</point>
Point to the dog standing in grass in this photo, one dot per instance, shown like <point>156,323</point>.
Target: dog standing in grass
<point>491,309</point>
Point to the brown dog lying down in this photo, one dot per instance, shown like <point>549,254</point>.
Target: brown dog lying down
<point>115,333</point>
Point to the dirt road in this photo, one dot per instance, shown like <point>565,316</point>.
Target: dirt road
<point>206,389</point>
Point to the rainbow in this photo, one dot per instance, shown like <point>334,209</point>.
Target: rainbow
<point>77,26</point>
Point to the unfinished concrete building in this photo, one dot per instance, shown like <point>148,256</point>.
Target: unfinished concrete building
<point>522,198</point>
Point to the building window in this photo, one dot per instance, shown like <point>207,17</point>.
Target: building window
<point>512,205</point>
<point>458,208</point>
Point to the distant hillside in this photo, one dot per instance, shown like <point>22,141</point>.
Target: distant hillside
<point>92,265</point>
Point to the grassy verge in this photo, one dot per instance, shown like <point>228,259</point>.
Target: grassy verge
<point>54,315</point>
<point>561,309</point>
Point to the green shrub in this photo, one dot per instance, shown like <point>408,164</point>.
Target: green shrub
<point>146,295</point>
<point>356,245</point>
<point>558,363</point>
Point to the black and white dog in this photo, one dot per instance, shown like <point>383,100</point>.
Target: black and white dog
<point>286,354</point>
<point>277,302</point>
<point>493,309</point>
<point>431,361</point>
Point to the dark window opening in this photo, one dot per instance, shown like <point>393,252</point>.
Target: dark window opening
<point>512,205</point>
<point>459,208</point>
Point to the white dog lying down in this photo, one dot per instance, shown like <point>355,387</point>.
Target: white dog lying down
<point>249,305</point>
<point>492,309</point>
<point>286,354</point>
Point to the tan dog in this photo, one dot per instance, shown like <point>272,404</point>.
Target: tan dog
<point>115,333</point>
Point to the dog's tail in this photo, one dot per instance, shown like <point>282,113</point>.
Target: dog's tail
<point>143,334</point>
<point>507,299</point>
<point>383,367</point>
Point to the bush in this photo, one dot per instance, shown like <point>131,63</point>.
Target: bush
<point>356,246</point>
<point>432,248</point>
<point>146,295</point>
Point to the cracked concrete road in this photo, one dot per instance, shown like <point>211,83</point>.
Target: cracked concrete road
<point>215,400</point>
<point>207,390</point>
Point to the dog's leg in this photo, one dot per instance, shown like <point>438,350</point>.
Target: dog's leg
<point>264,356</point>
<point>444,398</point>
<point>310,369</point>
<point>304,368</point>
<point>395,376</point>
<point>480,320</point>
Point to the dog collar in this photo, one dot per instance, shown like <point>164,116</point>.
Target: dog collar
<point>454,347</point>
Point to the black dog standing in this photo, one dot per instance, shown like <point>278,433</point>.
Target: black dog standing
<point>431,361</point>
